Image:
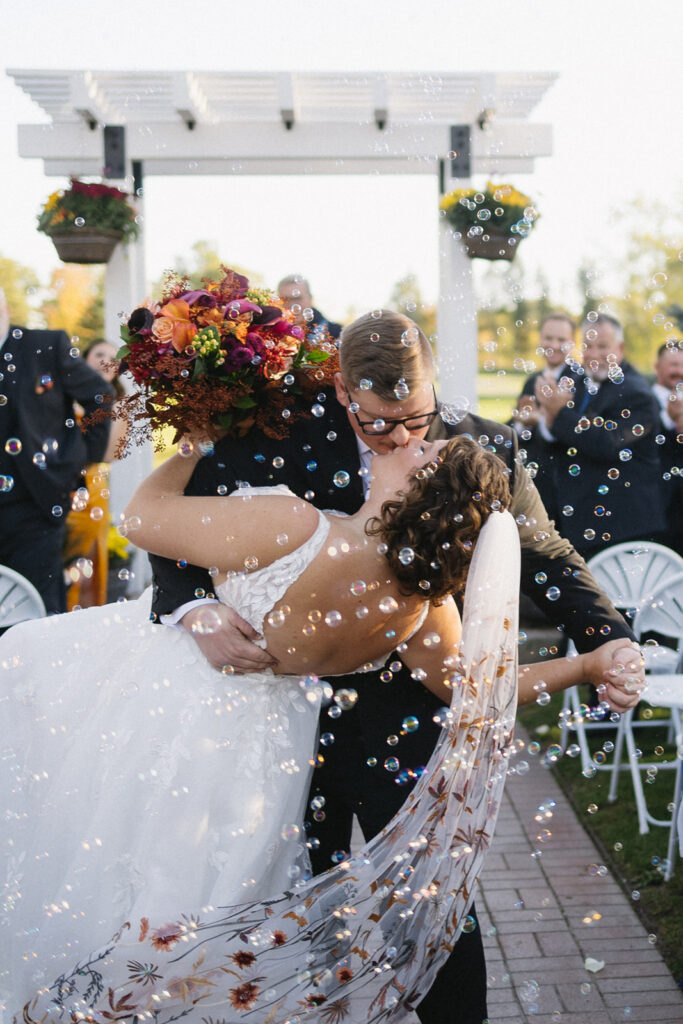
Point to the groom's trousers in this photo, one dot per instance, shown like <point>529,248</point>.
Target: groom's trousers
<point>353,781</point>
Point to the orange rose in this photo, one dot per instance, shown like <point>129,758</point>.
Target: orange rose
<point>184,331</point>
<point>162,328</point>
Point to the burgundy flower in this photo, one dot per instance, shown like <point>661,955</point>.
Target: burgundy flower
<point>281,327</point>
<point>140,320</point>
<point>267,315</point>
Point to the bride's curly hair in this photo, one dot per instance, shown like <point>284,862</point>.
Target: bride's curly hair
<point>431,528</point>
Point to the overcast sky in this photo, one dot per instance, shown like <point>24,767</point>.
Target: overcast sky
<point>614,110</point>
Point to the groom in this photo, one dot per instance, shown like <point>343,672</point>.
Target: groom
<point>383,397</point>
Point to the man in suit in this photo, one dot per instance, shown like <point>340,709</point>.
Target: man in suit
<point>556,341</point>
<point>383,397</point>
<point>295,293</point>
<point>43,449</point>
<point>602,432</point>
<point>668,390</point>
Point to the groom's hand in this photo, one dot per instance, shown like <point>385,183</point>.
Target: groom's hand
<point>624,679</point>
<point>226,639</point>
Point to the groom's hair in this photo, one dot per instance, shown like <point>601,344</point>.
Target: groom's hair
<point>431,528</point>
<point>385,348</point>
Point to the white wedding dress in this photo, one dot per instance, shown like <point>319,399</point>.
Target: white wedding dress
<point>147,794</point>
<point>139,781</point>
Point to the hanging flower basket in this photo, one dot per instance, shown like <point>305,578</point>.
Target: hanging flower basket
<point>87,220</point>
<point>491,221</point>
<point>83,246</point>
<point>491,245</point>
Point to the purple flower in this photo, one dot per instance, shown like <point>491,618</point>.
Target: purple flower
<point>239,356</point>
<point>199,298</point>
<point>256,343</point>
<point>238,306</point>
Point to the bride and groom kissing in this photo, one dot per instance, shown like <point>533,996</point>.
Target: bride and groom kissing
<point>377,734</point>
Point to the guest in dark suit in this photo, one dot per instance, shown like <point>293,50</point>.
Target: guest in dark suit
<point>42,450</point>
<point>602,432</point>
<point>668,390</point>
<point>295,292</point>
<point>383,397</point>
<point>556,341</point>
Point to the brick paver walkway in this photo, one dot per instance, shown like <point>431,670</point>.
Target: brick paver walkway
<point>543,915</point>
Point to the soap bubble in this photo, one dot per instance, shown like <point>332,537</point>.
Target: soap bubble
<point>346,698</point>
<point>207,622</point>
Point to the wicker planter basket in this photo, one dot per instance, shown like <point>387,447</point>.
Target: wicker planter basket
<point>492,245</point>
<point>85,245</point>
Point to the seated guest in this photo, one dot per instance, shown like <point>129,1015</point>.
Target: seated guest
<point>668,390</point>
<point>295,292</point>
<point>602,426</point>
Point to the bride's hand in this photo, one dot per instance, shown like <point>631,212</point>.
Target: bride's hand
<point>619,674</point>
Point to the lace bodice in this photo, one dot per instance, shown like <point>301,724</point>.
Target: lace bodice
<point>254,594</point>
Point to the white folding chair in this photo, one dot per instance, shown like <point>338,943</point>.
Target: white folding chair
<point>628,573</point>
<point>662,614</point>
<point>19,599</point>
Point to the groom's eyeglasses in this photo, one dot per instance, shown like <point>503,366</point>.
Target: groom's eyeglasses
<point>382,425</point>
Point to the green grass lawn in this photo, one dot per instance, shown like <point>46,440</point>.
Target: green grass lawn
<point>635,860</point>
<point>497,394</point>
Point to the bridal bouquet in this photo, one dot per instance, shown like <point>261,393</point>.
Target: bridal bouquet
<point>225,355</point>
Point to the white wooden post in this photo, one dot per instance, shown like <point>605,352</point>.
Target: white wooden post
<point>124,290</point>
<point>456,316</point>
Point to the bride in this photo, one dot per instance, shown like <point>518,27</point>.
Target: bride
<point>152,799</point>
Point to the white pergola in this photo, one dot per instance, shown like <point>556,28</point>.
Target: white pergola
<point>448,125</point>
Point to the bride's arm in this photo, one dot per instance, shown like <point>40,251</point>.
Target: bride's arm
<point>208,531</point>
<point>613,667</point>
